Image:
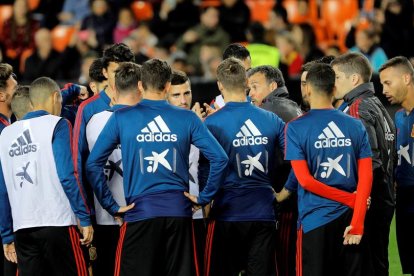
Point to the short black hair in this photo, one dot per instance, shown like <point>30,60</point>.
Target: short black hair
<point>95,71</point>
<point>179,77</point>
<point>127,76</point>
<point>117,53</point>
<point>237,51</point>
<point>6,70</point>
<point>354,63</point>
<point>231,74</point>
<point>257,30</point>
<point>400,62</point>
<point>321,77</point>
<point>272,74</point>
<point>156,74</point>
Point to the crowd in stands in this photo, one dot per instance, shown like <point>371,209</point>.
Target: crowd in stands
<point>59,38</point>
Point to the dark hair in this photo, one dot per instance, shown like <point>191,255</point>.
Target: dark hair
<point>401,62</point>
<point>127,76</point>
<point>231,74</point>
<point>6,70</point>
<point>257,31</point>
<point>95,71</point>
<point>237,51</point>
<point>117,53</point>
<point>41,89</point>
<point>156,74</point>
<point>309,37</point>
<point>20,103</point>
<point>354,63</point>
<point>179,77</point>
<point>280,11</point>
<point>321,77</point>
<point>272,74</point>
<point>324,60</point>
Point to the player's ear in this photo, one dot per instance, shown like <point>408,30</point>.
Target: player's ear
<point>105,73</point>
<point>140,86</point>
<point>3,96</point>
<point>273,85</point>
<point>220,86</point>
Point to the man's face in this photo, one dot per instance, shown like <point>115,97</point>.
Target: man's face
<point>9,91</point>
<point>247,63</point>
<point>259,88</point>
<point>392,81</point>
<point>343,84</point>
<point>109,73</point>
<point>303,87</point>
<point>180,95</point>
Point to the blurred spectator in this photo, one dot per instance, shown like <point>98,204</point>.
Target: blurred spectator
<point>173,19</point>
<point>260,52</point>
<point>178,61</point>
<point>332,50</point>
<point>125,25</point>
<point>132,43</point>
<point>101,22</point>
<point>234,19</point>
<point>142,42</point>
<point>366,42</point>
<point>304,36</point>
<point>47,12</point>
<point>74,11</point>
<point>397,31</point>
<point>207,32</point>
<point>290,57</point>
<point>87,60</point>
<point>161,51</point>
<point>18,33</point>
<point>278,23</point>
<point>210,56</point>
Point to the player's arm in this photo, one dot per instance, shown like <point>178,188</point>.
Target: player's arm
<point>6,221</point>
<point>211,149</point>
<point>291,186</point>
<point>368,121</point>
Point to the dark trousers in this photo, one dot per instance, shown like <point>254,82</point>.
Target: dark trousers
<point>106,241</point>
<point>49,251</point>
<point>235,246</point>
<point>323,252</point>
<point>199,244</point>
<point>286,243</point>
<point>158,246</point>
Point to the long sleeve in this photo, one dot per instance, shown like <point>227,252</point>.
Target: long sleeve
<point>6,221</point>
<point>211,149</point>
<point>104,146</point>
<point>70,92</point>
<point>365,177</point>
<point>306,180</point>
<point>61,146</point>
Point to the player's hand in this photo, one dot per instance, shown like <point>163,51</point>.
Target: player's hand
<point>10,252</point>
<point>368,202</point>
<point>121,211</point>
<point>83,94</point>
<point>87,235</point>
<point>350,239</point>
<point>210,110</point>
<point>193,198</point>
<point>197,110</point>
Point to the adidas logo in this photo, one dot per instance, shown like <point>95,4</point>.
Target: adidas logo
<point>389,136</point>
<point>332,137</point>
<point>22,145</point>
<point>156,131</point>
<point>249,135</point>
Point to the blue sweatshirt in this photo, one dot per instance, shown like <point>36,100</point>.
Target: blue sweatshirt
<point>64,165</point>
<point>4,121</point>
<point>155,139</point>
<point>87,109</point>
<point>250,136</point>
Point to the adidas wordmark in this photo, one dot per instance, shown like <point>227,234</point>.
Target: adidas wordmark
<point>332,137</point>
<point>156,131</point>
<point>249,135</point>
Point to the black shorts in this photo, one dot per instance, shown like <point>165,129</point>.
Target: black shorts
<point>158,246</point>
<point>106,241</point>
<point>286,243</point>
<point>49,251</point>
<point>323,253</point>
<point>404,217</point>
<point>235,246</point>
<point>199,243</point>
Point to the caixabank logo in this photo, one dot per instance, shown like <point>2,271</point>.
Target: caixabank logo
<point>23,145</point>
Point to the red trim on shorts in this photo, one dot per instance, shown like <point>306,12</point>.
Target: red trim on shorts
<point>119,249</point>
<point>77,251</point>
<point>299,252</point>
<point>209,245</point>
<point>195,249</point>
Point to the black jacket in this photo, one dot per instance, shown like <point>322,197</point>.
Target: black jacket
<point>363,104</point>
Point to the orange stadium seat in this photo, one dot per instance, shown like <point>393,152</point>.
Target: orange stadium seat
<point>142,10</point>
<point>210,3</point>
<point>259,9</point>
<point>26,53</point>
<point>6,12</point>
<point>295,15</point>
<point>335,13</point>
<point>33,4</point>
<point>61,36</point>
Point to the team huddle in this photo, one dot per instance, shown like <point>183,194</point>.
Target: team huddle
<point>251,185</point>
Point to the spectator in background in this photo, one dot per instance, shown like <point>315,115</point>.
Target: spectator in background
<point>366,43</point>
<point>333,50</point>
<point>234,18</point>
<point>278,23</point>
<point>101,21</point>
<point>87,61</point>
<point>261,53</point>
<point>74,11</point>
<point>208,31</point>
<point>18,33</point>
<point>304,36</point>
<point>291,61</point>
<point>174,18</point>
<point>210,54</point>
<point>125,25</point>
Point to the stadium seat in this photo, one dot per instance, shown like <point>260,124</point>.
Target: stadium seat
<point>6,12</point>
<point>295,15</point>
<point>335,13</point>
<point>33,4</point>
<point>259,9</point>
<point>210,3</point>
<point>61,36</point>
<point>142,10</point>
<point>26,53</point>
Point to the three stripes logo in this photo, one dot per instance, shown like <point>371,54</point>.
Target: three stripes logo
<point>389,136</point>
<point>156,131</point>
<point>249,135</point>
<point>332,137</point>
<point>22,145</point>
